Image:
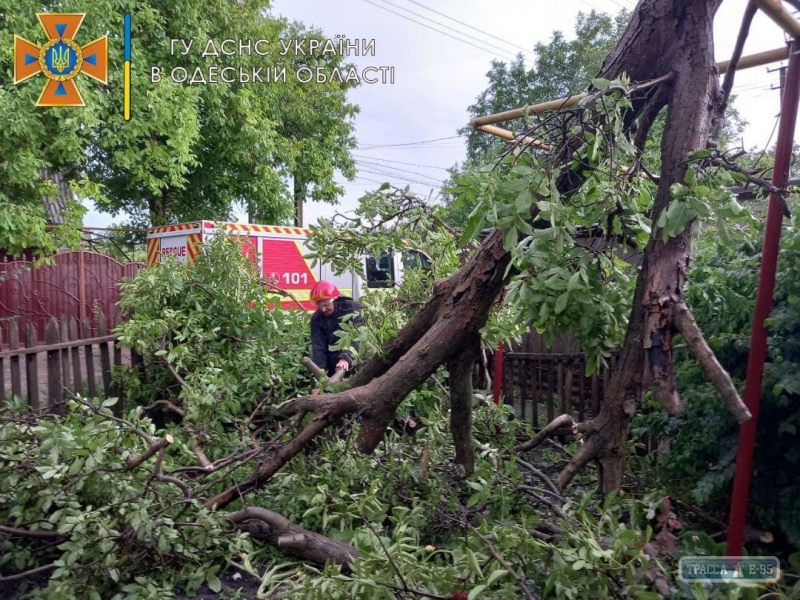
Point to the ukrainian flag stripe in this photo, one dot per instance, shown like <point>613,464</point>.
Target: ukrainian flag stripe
<point>127,81</point>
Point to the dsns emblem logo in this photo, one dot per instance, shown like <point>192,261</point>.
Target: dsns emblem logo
<point>60,59</point>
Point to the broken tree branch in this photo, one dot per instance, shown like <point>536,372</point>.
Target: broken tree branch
<point>556,424</point>
<point>271,465</point>
<point>132,463</point>
<point>197,448</point>
<point>28,573</point>
<point>38,535</point>
<point>318,373</point>
<point>172,407</point>
<point>278,531</point>
<point>540,475</point>
<point>502,562</point>
<point>687,327</point>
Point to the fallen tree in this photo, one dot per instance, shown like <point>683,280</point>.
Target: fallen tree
<point>668,46</point>
<point>665,59</point>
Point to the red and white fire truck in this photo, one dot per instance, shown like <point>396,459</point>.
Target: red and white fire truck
<point>279,252</point>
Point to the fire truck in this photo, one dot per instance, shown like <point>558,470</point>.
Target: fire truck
<point>280,255</point>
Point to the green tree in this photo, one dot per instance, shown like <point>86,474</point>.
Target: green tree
<point>562,68</point>
<point>190,151</point>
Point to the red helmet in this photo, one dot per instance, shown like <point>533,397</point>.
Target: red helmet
<point>324,290</point>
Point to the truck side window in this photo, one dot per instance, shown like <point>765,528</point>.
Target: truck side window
<point>380,271</point>
<point>414,259</point>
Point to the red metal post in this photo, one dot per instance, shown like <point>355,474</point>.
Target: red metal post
<point>766,286</point>
<point>497,384</point>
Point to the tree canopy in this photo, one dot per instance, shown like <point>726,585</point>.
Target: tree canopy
<point>190,151</point>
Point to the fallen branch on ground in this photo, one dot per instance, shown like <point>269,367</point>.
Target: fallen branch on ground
<point>284,535</point>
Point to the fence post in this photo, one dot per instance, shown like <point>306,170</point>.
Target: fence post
<point>65,379</point>
<point>13,344</point>
<point>54,393</point>
<point>32,367</point>
<point>2,372</point>
<point>105,357</point>
<point>76,356</point>
<point>117,409</point>
<point>88,351</point>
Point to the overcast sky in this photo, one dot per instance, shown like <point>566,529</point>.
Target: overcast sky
<point>440,62</point>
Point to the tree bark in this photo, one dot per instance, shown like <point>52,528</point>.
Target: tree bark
<point>299,198</point>
<point>278,531</point>
<point>460,369</point>
<point>664,36</point>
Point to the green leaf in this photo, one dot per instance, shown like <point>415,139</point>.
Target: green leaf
<point>561,302</point>
<point>473,562</point>
<point>495,575</point>
<point>510,239</point>
<point>476,592</point>
<point>600,83</point>
<point>214,583</point>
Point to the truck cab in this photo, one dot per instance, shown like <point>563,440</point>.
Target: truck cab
<point>388,269</point>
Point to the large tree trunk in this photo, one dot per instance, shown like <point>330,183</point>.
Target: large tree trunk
<point>664,37</point>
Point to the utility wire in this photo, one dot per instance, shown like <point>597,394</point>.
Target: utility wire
<point>400,162</point>
<point>452,137</point>
<point>440,31</point>
<point>380,166</point>
<point>467,35</point>
<point>470,26</point>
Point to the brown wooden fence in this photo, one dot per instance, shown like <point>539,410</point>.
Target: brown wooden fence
<point>72,358</point>
<point>80,285</point>
<point>543,385</point>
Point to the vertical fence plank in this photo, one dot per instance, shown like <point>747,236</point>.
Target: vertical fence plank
<point>523,387</point>
<point>13,362</point>
<point>52,335</point>
<point>89,354</point>
<point>536,393</point>
<point>595,394</point>
<point>32,367</point>
<point>117,409</point>
<point>551,390</point>
<point>505,386</point>
<point>581,373</point>
<point>568,404</point>
<point>76,356</point>
<point>105,357</point>
<point>562,397</point>
<point>66,381</point>
<point>2,371</point>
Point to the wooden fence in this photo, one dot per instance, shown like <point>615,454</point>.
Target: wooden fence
<point>81,285</point>
<point>542,386</point>
<point>73,358</point>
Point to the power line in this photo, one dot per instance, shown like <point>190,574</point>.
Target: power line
<point>379,170</point>
<point>437,30</point>
<point>623,6</point>
<point>397,176</point>
<point>472,37</point>
<point>380,166</point>
<point>400,162</point>
<point>592,6</point>
<point>470,26</point>
<point>452,137</point>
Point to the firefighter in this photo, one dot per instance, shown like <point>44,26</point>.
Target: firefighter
<point>325,322</point>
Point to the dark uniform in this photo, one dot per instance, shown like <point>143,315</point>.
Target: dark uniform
<point>323,334</point>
